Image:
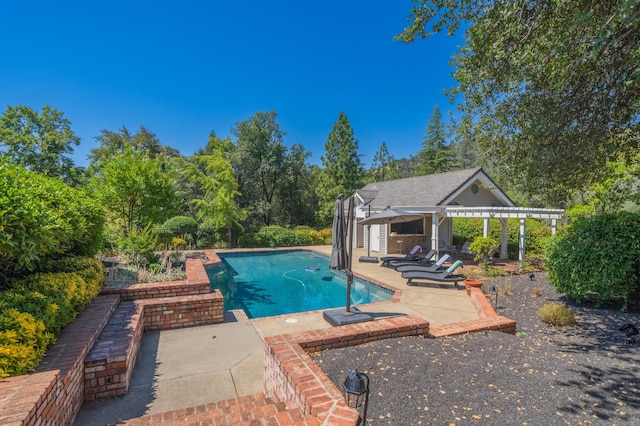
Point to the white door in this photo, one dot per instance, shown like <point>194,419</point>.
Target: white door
<point>375,238</point>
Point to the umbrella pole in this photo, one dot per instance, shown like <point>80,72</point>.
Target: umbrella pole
<point>349,243</point>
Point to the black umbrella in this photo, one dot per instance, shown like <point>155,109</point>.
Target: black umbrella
<point>341,242</point>
<point>390,216</point>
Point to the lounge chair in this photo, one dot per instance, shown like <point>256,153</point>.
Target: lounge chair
<point>445,276</point>
<point>425,261</point>
<point>409,256</point>
<point>464,250</point>
<point>435,267</point>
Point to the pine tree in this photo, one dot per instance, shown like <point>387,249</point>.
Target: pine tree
<point>342,170</point>
<point>384,166</point>
<point>436,155</point>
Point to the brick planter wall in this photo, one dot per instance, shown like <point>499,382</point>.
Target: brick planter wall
<point>54,393</point>
<point>292,377</point>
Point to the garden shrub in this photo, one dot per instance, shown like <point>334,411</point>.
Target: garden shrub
<point>597,258</point>
<point>37,307</point>
<point>180,225</point>
<point>537,233</point>
<point>557,314</point>
<point>139,246</point>
<point>42,220</point>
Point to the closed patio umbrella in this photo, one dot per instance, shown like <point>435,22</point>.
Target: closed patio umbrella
<point>341,243</point>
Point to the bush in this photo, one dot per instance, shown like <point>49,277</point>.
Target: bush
<point>597,258</point>
<point>139,246</point>
<point>556,314</point>
<point>537,233</point>
<point>43,220</point>
<point>36,308</point>
<point>180,225</point>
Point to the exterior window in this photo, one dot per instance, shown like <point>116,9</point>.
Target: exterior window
<point>404,228</point>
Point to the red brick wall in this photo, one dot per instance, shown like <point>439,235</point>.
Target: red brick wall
<point>293,378</point>
<point>55,392</point>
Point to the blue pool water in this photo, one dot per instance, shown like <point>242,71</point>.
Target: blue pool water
<point>271,283</point>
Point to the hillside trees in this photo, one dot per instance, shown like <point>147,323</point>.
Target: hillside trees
<point>342,172</point>
<point>39,142</point>
<point>384,165</point>
<point>549,89</point>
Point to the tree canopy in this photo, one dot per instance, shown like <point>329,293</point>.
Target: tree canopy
<point>39,142</point>
<point>549,89</point>
<point>435,155</point>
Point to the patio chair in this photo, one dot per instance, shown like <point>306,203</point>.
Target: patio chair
<point>408,256</point>
<point>424,261</point>
<point>435,267</point>
<point>445,276</point>
<point>464,250</point>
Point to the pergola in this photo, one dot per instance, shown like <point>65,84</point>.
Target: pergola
<point>500,213</point>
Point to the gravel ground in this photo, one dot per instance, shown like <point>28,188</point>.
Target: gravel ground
<point>577,375</point>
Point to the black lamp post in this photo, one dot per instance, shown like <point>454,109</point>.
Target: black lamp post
<point>356,392</point>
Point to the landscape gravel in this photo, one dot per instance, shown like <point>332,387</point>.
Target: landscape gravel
<point>586,374</point>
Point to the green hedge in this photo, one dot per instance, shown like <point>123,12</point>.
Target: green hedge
<point>597,259</point>
<point>41,220</point>
<point>36,308</point>
<point>537,234</point>
<point>277,236</point>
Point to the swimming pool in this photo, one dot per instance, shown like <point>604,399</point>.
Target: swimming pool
<point>268,283</point>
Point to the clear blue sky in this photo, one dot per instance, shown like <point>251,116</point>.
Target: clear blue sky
<point>182,69</point>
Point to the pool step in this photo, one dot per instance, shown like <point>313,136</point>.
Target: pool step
<point>257,409</point>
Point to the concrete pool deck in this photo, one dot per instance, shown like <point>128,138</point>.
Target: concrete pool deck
<point>188,367</point>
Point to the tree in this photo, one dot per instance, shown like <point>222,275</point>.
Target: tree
<point>114,143</point>
<point>436,155</point>
<point>137,190</point>
<point>342,171</point>
<point>297,192</point>
<point>217,208</point>
<point>39,142</point>
<point>550,88</point>
<point>259,163</point>
<point>384,166</point>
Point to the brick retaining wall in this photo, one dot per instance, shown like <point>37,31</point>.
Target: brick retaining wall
<point>54,393</point>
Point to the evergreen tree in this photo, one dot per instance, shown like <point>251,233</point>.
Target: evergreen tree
<point>384,166</point>
<point>217,208</point>
<point>436,155</point>
<point>342,170</point>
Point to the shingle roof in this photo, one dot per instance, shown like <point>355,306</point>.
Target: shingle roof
<point>429,190</point>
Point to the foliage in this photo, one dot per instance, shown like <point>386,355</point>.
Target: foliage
<point>620,186</point>
<point>549,89</point>
<point>277,236</point>
<point>597,258</point>
<point>537,234</point>
<point>216,206</point>
<point>343,172</point>
<point>436,155</point>
<point>138,246</point>
<point>384,165</point>
<point>42,219</point>
<point>39,142</point>
<point>113,144</point>
<point>297,200</point>
<point>557,314</point>
<point>34,311</point>
<point>259,162</point>
<point>136,189</point>
<point>180,225</point>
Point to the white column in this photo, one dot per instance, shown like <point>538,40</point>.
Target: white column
<point>554,226</point>
<point>485,229</point>
<point>504,240</point>
<point>434,234</point>
<point>523,228</point>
